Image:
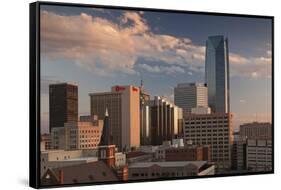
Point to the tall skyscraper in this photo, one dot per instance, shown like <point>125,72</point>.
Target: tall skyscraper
<point>123,104</point>
<point>63,104</point>
<point>217,73</point>
<point>191,95</point>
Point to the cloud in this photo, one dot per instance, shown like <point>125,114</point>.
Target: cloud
<point>104,47</point>
<point>45,82</point>
<point>242,101</point>
<point>162,69</point>
<point>253,67</point>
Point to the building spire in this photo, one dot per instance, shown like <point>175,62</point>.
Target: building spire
<point>105,137</point>
<point>106,112</point>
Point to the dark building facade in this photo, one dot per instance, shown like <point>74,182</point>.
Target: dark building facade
<point>165,119</point>
<point>63,104</point>
<point>217,73</point>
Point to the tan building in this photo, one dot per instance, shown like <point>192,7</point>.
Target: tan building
<point>154,170</point>
<point>256,130</point>
<point>45,142</point>
<point>213,129</point>
<point>77,135</point>
<point>123,104</point>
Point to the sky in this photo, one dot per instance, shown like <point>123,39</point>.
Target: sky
<point>98,48</point>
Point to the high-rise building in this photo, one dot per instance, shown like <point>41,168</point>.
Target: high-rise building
<point>63,104</point>
<point>123,104</point>
<point>165,120</point>
<point>256,130</point>
<point>191,95</point>
<point>217,73</point>
<point>145,130</point>
<point>213,129</point>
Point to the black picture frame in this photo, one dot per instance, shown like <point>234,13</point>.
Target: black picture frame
<point>34,98</point>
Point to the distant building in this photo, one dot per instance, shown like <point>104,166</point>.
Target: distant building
<point>123,104</point>
<point>217,73</point>
<point>45,142</point>
<point>63,104</point>
<point>83,173</point>
<point>191,95</point>
<point>154,170</point>
<point>211,129</point>
<point>256,130</point>
<point>77,135</point>
<point>201,110</point>
<point>188,153</point>
<point>166,119</point>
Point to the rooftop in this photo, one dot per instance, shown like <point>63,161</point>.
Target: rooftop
<point>198,164</point>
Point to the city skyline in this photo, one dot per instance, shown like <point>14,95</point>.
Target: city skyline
<point>160,49</point>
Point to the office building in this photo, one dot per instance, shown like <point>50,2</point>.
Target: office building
<point>77,135</point>
<point>154,170</point>
<point>256,130</point>
<point>258,155</point>
<point>165,120</point>
<point>213,129</point>
<point>123,104</point>
<point>191,95</point>
<point>63,104</point>
<point>217,73</point>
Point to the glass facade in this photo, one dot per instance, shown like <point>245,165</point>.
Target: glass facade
<point>217,73</point>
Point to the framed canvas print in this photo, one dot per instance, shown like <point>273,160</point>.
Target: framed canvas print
<point>120,94</point>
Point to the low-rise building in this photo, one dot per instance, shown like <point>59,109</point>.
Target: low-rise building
<point>188,153</point>
<point>154,170</point>
<point>137,156</point>
<point>83,173</point>
<point>60,158</point>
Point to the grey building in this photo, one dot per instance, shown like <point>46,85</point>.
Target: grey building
<point>191,95</point>
<point>217,73</point>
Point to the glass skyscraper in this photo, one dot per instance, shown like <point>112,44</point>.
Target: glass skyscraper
<point>217,73</point>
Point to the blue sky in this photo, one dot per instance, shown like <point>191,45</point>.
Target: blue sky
<point>98,48</point>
